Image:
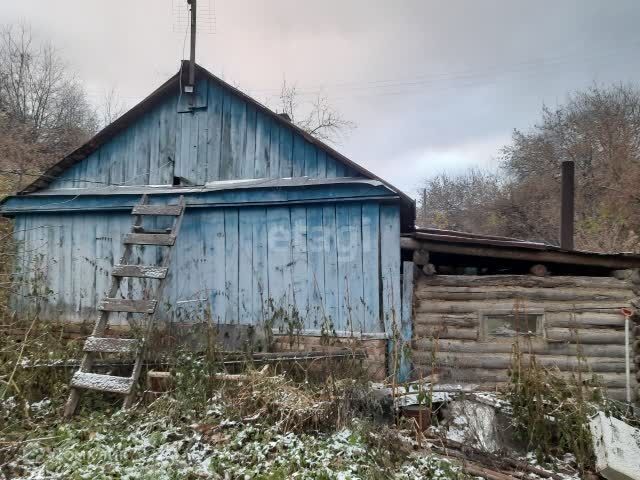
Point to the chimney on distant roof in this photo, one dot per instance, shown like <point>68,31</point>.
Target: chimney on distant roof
<point>567,206</point>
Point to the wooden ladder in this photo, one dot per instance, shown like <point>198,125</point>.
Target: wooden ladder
<point>84,378</point>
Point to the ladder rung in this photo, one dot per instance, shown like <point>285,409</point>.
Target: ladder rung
<point>111,345</point>
<point>141,229</point>
<point>103,383</point>
<point>139,271</point>
<point>173,210</point>
<point>127,305</point>
<point>165,239</point>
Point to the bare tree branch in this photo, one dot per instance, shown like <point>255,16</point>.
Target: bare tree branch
<point>318,117</point>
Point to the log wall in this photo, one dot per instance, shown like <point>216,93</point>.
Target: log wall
<point>583,327</point>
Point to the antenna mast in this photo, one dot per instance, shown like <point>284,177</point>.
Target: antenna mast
<point>192,56</point>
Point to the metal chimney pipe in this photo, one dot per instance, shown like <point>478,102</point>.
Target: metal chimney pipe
<point>567,206</point>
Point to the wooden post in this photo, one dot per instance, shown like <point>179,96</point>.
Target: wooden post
<point>192,53</point>
<point>406,321</point>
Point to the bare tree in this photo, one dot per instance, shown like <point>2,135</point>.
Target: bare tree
<point>39,93</point>
<point>598,128</point>
<point>317,117</point>
<point>459,202</point>
<point>111,108</point>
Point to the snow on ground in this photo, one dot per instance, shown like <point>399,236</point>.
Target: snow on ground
<point>148,446</point>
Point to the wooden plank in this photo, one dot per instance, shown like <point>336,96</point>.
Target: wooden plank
<point>167,146</point>
<point>128,158</point>
<point>231,266</point>
<point>111,345</point>
<point>139,271</point>
<point>143,132</point>
<point>406,328</point>
<point>468,306</point>
<point>541,348</point>
<point>341,169</point>
<point>187,131</point>
<point>315,270</point>
<point>298,159</point>
<point>310,161</point>
<point>263,145</point>
<point>249,160</point>
<point>584,320</point>
<point>214,132</point>
<point>216,257</point>
<point>238,136</point>
<point>481,375</point>
<point>501,293</point>
<point>84,266</point>
<point>127,305</point>
<point>442,331</point>
<point>279,255</point>
<point>226,150</point>
<point>260,277</point>
<point>525,281</point>
<point>286,153</point>
<point>390,265</point>
<point>299,262</point>
<point>245,272</point>
<point>331,166</point>
<point>202,151</point>
<point>343,321</point>
<point>273,170</point>
<point>356,281</point>
<point>331,290</point>
<point>538,256</point>
<point>103,383</point>
<point>322,164</point>
<point>150,239</point>
<point>463,320</point>
<point>371,267</point>
<point>597,336</point>
<point>141,229</point>
<point>494,361</point>
<point>155,177</point>
<point>170,210</point>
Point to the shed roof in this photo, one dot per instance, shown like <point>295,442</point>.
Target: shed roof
<point>470,244</point>
<point>169,88</point>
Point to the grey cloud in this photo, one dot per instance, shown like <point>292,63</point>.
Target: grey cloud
<point>432,85</point>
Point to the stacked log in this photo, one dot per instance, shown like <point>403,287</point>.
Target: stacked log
<point>583,327</point>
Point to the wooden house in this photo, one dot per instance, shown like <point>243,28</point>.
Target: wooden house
<point>279,230</point>
<point>477,296</point>
<point>282,233</point>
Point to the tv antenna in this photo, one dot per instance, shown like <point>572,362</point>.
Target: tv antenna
<point>200,14</point>
<point>192,49</point>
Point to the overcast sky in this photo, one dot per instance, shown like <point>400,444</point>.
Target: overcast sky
<point>433,86</point>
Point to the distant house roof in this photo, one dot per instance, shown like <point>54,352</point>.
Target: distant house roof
<point>169,88</point>
<point>470,244</point>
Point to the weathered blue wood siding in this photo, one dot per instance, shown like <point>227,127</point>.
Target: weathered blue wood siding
<point>327,265</point>
<point>228,139</point>
<point>306,254</point>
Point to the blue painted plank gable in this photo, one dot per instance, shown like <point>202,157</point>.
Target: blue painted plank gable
<point>227,138</point>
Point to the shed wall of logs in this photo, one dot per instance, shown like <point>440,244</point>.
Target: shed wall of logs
<point>582,329</point>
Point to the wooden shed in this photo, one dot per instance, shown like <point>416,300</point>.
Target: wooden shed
<point>476,296</point>
<point>280,230</point>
